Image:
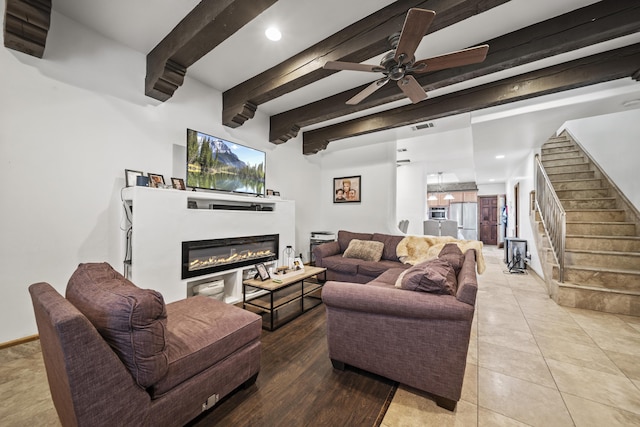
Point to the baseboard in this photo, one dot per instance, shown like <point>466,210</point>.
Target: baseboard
<point>19,341</point>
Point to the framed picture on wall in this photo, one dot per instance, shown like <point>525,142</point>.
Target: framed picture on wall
<point>130,177</point>
<point>347,189</point>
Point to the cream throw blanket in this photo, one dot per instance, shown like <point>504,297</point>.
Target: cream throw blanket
<point>416,249</point>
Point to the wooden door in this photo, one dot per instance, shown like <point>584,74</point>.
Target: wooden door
<point>488,207</point>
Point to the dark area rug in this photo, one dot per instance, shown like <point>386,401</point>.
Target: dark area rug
<point>297,385</point>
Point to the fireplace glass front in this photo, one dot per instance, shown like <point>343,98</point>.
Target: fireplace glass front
<point>200,257</point>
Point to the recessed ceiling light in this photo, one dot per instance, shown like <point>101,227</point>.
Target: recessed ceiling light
<point>492,180</point>
<point>273,34</point>
<point>500,156</point>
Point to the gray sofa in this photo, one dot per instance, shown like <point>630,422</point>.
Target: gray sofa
<point>115,354</point>
<point>419,339</point>
<point>349,269</point>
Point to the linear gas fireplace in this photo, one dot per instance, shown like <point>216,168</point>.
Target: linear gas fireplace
<point>201,257</point>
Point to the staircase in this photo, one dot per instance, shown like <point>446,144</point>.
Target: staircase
<point>602,246</point>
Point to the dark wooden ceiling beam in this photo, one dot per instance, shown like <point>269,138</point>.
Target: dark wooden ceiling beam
<point>26,25</point>
<point>205,27</point>
<point>606,66</point>
<point>358,42</point>
<point>583,27</point>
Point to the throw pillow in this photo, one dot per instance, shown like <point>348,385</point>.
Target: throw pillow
<point>344,237</point>
<point>453,255</point>
<point>434,276</point>
<point>131,320</point>
<point>366,250</point>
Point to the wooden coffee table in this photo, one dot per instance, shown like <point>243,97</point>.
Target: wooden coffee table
<point>278,303</point>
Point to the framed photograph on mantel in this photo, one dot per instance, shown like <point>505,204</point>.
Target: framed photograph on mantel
<point>130,177</point>
<point>347,189</point>
<point>155,179</point>
<point>178,183</point>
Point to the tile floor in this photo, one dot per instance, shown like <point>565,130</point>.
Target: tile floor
<point>532,362</point>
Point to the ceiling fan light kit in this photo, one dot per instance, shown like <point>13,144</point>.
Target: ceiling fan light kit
<point>399,64</point>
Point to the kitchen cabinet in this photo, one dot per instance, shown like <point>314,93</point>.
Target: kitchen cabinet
<point>470,196</point>
<point>438,202</point>
<point>458,197</point>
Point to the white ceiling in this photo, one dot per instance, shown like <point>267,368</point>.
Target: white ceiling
<point>141,24</point>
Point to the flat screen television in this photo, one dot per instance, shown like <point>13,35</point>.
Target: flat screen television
<point>217,164</point>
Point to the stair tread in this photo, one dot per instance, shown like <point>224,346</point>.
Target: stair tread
<point>602,222</point>
<point>594,210</point>
<point>602,269</point>
<point>562,181</point>
<point>573,164</point>
<point>591,198</point>
<point>598,288</point>
<point>560,173</point>
<point>595,236</point>
<point>598,252</point>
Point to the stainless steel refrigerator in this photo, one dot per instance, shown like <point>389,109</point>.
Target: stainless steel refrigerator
<point>466,214</point>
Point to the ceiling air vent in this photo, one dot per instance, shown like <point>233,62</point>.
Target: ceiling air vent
<point>424,126</point>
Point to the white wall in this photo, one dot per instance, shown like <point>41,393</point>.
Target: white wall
<point>612,140</point>
<point>411,196</point>
<point>71,123</point>
<point>298,180</point>
<point>524,177</point>
<point>376,164</point>
<point>491,189</point>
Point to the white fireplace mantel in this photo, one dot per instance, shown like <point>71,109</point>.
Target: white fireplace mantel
<point>160,221</point>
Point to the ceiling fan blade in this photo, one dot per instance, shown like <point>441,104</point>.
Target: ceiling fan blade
<point>472,55</point>
<point>353,66</point>
<point>412,89</point>
<point>414,28</point>
<point>367,91</point>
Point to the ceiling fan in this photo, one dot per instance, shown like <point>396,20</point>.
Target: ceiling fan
<point>400,64</point>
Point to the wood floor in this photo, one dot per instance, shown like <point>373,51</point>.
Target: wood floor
<point>297,385</point>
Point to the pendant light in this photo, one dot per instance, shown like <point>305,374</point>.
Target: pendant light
<point>448,196</point>
<point>433,197</point>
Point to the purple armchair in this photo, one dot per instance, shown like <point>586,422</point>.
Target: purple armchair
<point>116,355</point>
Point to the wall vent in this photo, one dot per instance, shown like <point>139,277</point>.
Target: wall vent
<point>424,126</point>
